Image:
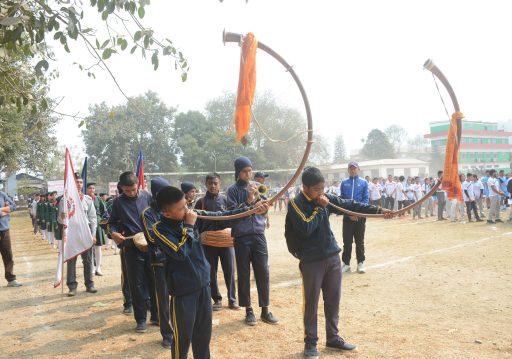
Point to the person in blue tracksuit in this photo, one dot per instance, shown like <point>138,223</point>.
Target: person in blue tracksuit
<point>310,239</point>
<point>187,272</point>
<point>356,189</point>
<point>158,260</point>
<point>250,245</point>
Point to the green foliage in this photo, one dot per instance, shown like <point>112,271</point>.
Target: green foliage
<point>113,136</point>
<point>397,135</point>
<point>27,139</point>
<point>377,146</point>
<point>26,26</point>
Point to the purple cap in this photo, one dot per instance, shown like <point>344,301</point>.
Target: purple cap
<point>353,164</point>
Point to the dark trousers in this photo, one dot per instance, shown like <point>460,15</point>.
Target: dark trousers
<point>440,204</point>
<point>353,231</point>
<point>252,249</point>
<point>125,285</point>
<point>191,318</point>
<point>162,300</point>
<point>389,203</point>
<point>6,251</point>
<point>472,206</point>
<point>323,275</point>
<point>142,284</point>
<point>35,224</point>
<point>71,271</point>
<point>401,204</point>
<point>227,261</point>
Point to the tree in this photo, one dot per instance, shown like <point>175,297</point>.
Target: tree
<point>397,135</point>
<point>27,139</point>
<point>418,144</point>
<point>114,135</point>
<point>26,28</point>
<point>377,146</point>
<point>340,153</point>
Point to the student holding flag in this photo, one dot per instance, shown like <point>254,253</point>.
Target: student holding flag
<point>87,206</point>
<point>77,219</point>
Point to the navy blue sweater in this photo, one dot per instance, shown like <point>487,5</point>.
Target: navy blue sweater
<point>126,213</point>
<point>210,203</point>
<point>308,225</point>
<point>150,216</point>
<point>237,196</point>
<point>187,269</point>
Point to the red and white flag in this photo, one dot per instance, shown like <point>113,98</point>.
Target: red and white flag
<point>76,236</point>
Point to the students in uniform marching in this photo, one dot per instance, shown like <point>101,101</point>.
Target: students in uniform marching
<point>100,237</point>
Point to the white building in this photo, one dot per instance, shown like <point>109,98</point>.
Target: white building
<point>379,168</point>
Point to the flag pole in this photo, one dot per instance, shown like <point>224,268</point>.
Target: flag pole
<point>62,262</point>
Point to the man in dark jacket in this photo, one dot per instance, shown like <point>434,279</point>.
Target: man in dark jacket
<point>310,239</point>
<point>250,244</point>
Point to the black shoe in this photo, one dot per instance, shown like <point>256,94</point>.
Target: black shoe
<point>127,310</point>
<point>234,306</point>
<point>499,221</point>
<point>154,322</point>
<point>141,327</point>
<point>99,274</point>
<point>490,222</point>
<point>479,220</point>
<point>340,344</point>
<point>310,351</point>
<point>250,319</point>
<point>72,292</point>
<point>269,318</point>
<point>167,344</point>
<point>91,290</point>
<point>217,305</point>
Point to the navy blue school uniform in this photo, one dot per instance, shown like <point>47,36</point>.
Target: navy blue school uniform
<point>226,255</point>
<point>158,261</point>
<point>125,218</point>
<point>188,279</point>
<point>250,247</point>
<point>307,227</point>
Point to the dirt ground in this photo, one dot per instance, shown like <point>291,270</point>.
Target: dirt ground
<point>432,290</point>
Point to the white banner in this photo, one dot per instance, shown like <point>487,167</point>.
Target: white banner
<point>57,185</point>
<point>112,188</point>
<point>77,236</point>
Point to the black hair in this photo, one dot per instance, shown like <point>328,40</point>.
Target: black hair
<point>468,175</point>
<point>312,176</point>
<point>127,179</point>
<point>91,184</point>
<point>492,172</point>
<point>212,176</point>
<point>439,173</point>
<point>102,194</point>
<point>119,189</point>
<point>401,178</point>
<point>77,175</point>
<point>168,196</point>
<point>52,192</point>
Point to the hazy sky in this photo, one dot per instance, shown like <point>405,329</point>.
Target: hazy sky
<point>360,61</point>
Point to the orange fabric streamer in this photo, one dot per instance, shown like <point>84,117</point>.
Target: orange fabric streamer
<point>451,181</point>
<point>246,87</point>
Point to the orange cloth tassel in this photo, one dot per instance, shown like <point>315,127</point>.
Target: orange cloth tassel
<point>246,87</point>
<point>451,181</point>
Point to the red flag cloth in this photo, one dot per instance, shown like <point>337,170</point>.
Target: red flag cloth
<point>246,86</point>
<point>139,172</point>
<point>451,180</point>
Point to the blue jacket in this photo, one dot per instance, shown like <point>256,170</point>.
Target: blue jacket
<point>354,188</point>
<point>4,220</point>
<point>308,225</point>
<point>187,269</point>
<point>237,196</point>
<point>126,215</point>
<point>150,216</point>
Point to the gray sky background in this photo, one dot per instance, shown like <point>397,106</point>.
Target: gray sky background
<point>360,61</point>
